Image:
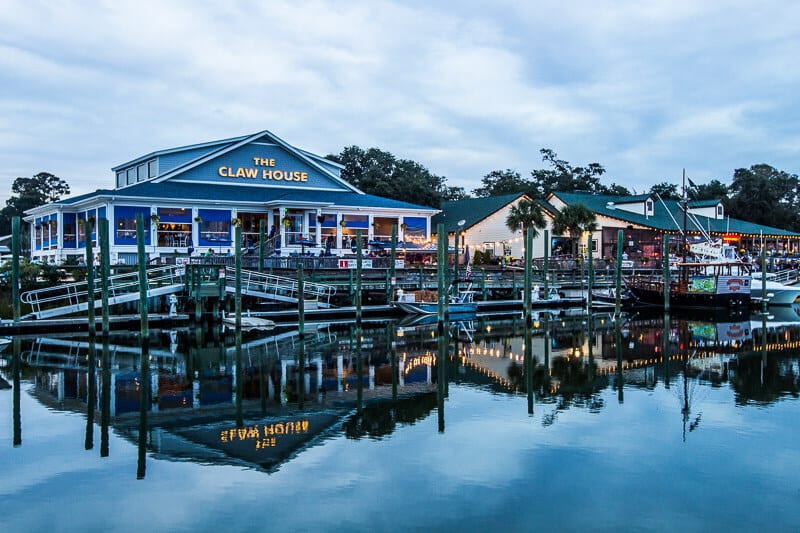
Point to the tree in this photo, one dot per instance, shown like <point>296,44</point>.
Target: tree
<point>28,193</point>
<point>526,215</point>
<point>500,182</point>
<point>563,177</point>
<point>617,190</point>
<point>713,190</point>
<point>765,195</point>
<point>382,174</point>
<point>667,191</point>
<point>574,220</point>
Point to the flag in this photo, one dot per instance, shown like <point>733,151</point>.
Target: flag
<point>691,183</point>
<point>468,273</point>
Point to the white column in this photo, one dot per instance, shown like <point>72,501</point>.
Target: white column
<point>196,393</point>
<point>319,372</point>
<point>371,377</point>
<point>428,371</point>
<point>401,363</point>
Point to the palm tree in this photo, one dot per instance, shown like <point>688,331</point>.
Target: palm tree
<point>526,215</point>
<point>575,220</point>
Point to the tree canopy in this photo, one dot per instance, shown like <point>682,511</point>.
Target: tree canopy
<point>526,215</point>
<point>574,220</point>
<point>561,176</point>
<point>667,191</point>
<point>382,174</point>
<point>765,195</point>
<point>40,189</point>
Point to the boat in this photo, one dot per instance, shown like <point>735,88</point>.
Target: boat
<point>249,322</point>
<point>607,297</point>
<point>427,302</point>
<point>778,293</point>
<point>697,285</point>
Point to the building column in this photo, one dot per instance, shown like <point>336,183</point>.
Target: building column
<point>401,363</point>
<point>339,372</point>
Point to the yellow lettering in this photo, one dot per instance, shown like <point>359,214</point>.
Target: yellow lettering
<point>223,171</point>
<point>266,174</point>
<point>251,172</point>
<point>277,175</point>
<point>240,172</point>
<point>304,176</point>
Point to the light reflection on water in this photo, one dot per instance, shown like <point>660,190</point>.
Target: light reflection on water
<point>602,432</point>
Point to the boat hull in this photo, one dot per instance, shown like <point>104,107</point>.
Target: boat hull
<point>688,300</point>
<point>432,308</point>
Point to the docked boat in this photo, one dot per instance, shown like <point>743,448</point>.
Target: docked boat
<point>778,293</point>
<point>607,297</point>
<point>427,302</point>
<point>702,285</point>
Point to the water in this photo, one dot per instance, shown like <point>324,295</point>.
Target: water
<point>706,441</point>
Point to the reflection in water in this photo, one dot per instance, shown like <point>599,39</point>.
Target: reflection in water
<point>237,386</point>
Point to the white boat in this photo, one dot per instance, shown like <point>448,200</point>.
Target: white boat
<point>778,293</point>
<point>426,302</point>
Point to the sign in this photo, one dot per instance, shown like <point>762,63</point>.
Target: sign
<point>352,263</point>
<point>263,168</point>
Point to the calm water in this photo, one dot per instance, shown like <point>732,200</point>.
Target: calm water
<point>600,434</point>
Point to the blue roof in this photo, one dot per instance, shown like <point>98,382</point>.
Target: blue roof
<point>183,191</point>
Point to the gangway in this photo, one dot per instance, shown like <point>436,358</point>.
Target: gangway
<point>271,287</point>
<point>73,297</point>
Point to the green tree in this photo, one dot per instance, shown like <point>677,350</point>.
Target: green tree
<point>713,190</point>
<point>563,177</point>
<point>765,195</point>
<point>28,193</point>
<point>667,191</point>
<point>574,220</point>
<point>500,182</point>
<point>381,173</point>
<point>526,215</point>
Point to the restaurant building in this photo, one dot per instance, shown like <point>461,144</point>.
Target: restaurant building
<point>192,196</point>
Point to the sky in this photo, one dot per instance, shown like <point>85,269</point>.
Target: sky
<point>646,89</point>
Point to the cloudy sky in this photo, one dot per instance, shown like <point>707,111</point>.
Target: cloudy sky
<point>643,88</point>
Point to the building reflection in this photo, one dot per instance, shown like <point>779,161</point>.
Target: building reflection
<point>574,358</point>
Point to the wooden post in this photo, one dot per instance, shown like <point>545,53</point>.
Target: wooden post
<point>763,280</point>
<point>105,396</point>
<point>359,263</point>
<point>527,297</point>
<point>618,276</point>
<point>441,265</point>
<point>546,265</point>
<point>590,269</point>
<point>261,244</point>
<point>390,291</point>
<point>665,275</point>
<point>15,228</point>
<point>142,259</point>
<point>87,232</point>
<point>105,269</point>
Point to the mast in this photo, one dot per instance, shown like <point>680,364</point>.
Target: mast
<point>685,208</point>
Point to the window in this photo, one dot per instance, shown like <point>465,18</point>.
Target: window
<point>141,172</point>
<point>121,179</point>
<point>131,176</point>
<point>174,228</point>
<point>214,226</point>
<point>125,224</point>
<point>152,169</point>
<point>719,211</point>
<point>649,206</point>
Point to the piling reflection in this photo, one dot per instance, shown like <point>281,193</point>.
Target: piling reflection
<point>263,397</point>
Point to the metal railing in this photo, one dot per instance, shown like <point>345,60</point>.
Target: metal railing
<point>74,297</point>
<point>277,287</point>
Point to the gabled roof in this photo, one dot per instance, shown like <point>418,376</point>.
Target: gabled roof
<point>219,148</point>
<point>471,211</point>
<point>667,216</point>
<point>704,203</point>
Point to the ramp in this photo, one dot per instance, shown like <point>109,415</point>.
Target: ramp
<point>282,289</point>
<point>74,298</point>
